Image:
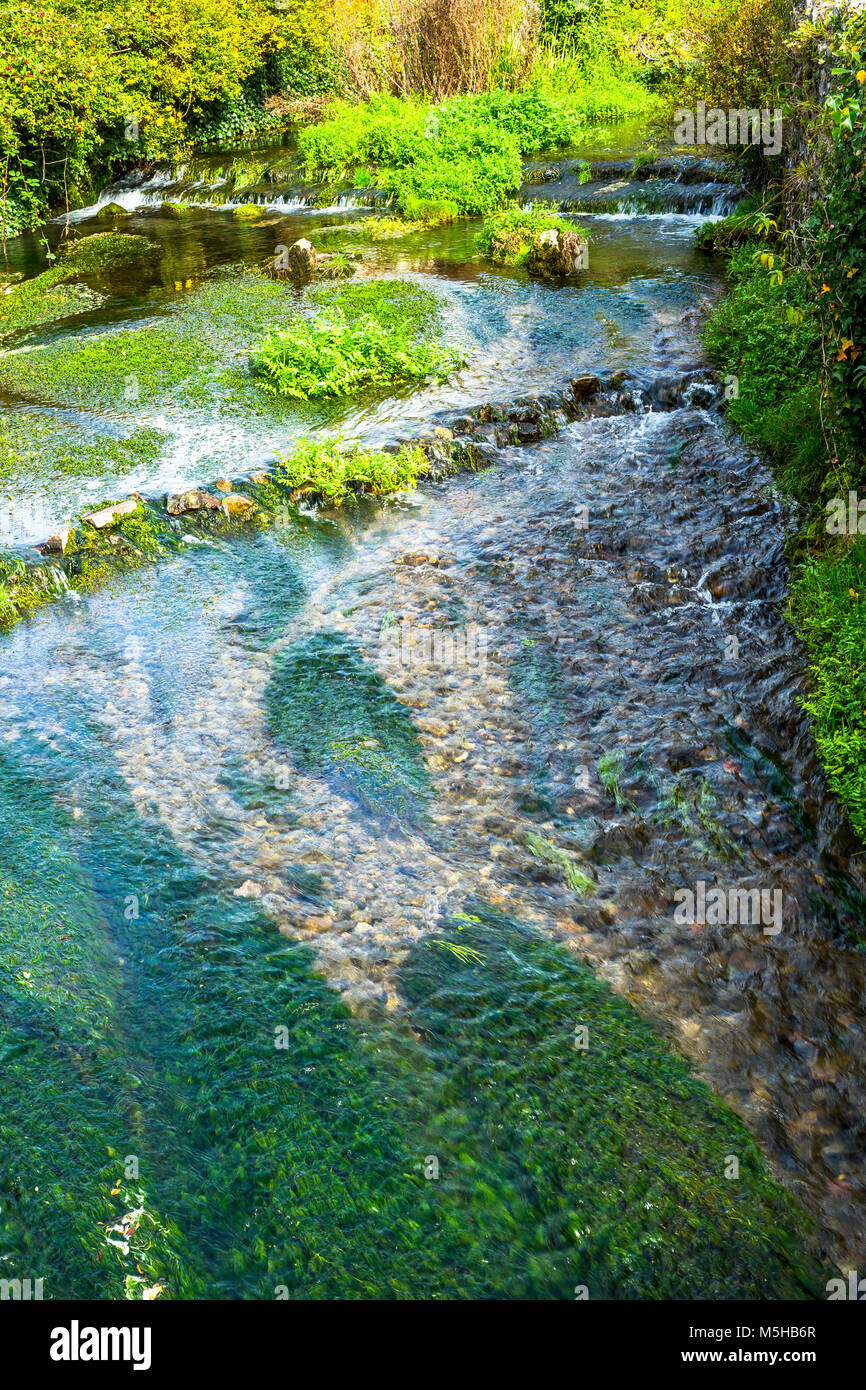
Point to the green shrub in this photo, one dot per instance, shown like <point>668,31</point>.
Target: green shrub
<point>764,334</point>
<point>330,356</point>
<point>506,237</point>
<point>839,230</point>
<point>464,153</point>
<point>429,212</point>
<point>473,167</point>
<point>537,119</point>
<point>382,131</point>
<point>328,467</point>
<point>828,599</point>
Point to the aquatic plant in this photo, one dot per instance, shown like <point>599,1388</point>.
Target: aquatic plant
<point>560,859</point>
<point>541,1060</point>
<point>339,718</point>
<point>612,769</point>
<point>109,251</point>
<point>335,470</point>
<point>364,336</point>
<point>331,357</point>
<point>506,237</point>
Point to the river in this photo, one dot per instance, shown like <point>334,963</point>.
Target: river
<point>517,712</point>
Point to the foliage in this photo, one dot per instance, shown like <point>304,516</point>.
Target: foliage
<point>464,151</point>
<point>653,41</point>
<point>839,229</point>
<point>764,334</point>
<point>365,335</point>
<point>330,356</point>
<point>744,60</point>
<point>328,467</point>
<point>793,338</point>
<point>506,237</point>
<point>828,599</point>
<point>90,86</point>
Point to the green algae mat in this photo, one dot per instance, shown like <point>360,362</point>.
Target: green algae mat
<point>189,1108</point>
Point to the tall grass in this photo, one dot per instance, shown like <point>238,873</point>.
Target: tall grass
<point>438,48</point>
<point>448,46</point>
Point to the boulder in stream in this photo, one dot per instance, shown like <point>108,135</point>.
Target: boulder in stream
<point>303,259</point>
<point>193,501</point>
<point>107,516</point>
<point>235,504</point>
<point>56,544</point>
<point>555,254</point>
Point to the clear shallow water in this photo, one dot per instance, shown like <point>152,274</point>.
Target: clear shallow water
<point>242,795</point>
<point>519,336</point>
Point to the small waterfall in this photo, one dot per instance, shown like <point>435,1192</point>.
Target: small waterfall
<point>682,185</point>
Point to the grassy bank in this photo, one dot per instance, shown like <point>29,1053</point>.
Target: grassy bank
<point>790,336</point>
<point>766,337</point>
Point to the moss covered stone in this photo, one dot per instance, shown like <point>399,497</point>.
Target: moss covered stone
<point>109,251</point>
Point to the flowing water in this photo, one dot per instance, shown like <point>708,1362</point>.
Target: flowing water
<point>511,715</point>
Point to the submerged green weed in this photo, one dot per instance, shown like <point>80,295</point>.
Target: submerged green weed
<point>608,1151</point>
<point>612,769</point>
<point>45,298</point>
<point>560,859</point>
<point>340,719</point>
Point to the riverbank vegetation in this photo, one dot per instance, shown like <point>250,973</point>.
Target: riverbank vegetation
<point>93,88</point>
<point>791,333</point>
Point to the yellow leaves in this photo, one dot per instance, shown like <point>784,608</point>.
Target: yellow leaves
<point>853,271</point>
<point>846,346</point>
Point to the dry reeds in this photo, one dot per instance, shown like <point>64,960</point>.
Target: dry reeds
<point>437,48</point>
